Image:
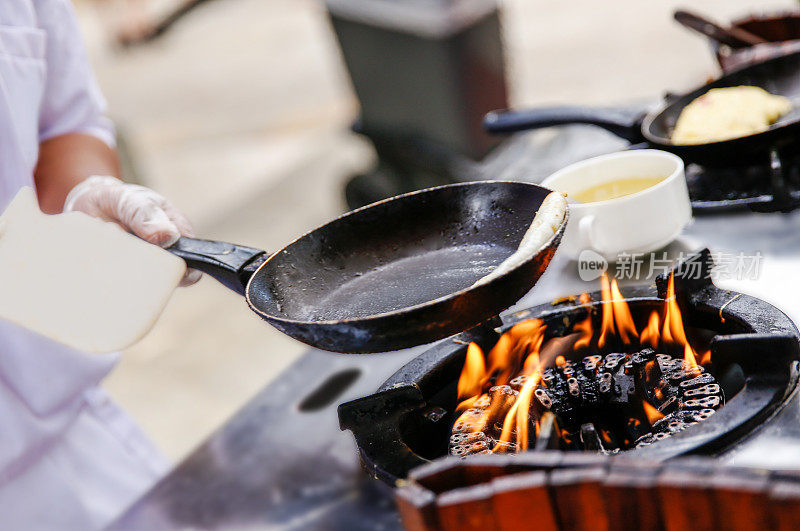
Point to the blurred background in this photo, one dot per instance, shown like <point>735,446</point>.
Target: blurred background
<point>241,114</point>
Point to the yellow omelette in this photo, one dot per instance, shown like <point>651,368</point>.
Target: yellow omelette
<point>725,113</point>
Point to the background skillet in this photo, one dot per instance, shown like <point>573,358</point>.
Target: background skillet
<point>780,75</point>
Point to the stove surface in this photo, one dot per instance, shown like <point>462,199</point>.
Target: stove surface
<point>278,466</point>
<point>282,462</point>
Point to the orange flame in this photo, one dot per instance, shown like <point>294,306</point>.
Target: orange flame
<point>502,359</point>
<point>522,352</point>
<point>584,327</point>
<point>653,415</point>
<point>473,374</point>
<point>650,334</point>
<point>512,347</point>
<point>622,315</point>
<point>517,419</point>
<point>586,332</point>
<point>521,415</point>
<point>673,332</point>
<point>659,393</point>
<point>607,323</point>
<point>529,336</point>
<point>532,362</point>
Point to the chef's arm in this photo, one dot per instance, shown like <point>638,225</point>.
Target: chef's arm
<point>65,161</point>
<point>78,172</point>
<point>77,168</point>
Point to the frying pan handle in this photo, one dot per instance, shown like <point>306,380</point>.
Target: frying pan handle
<point>733,36</point>
<point>624,124</point>
<point>231,264</point>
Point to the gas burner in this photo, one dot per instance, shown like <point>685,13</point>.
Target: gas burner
<point>604,403</point>
<point>773,185</point>
<point>752,349</point>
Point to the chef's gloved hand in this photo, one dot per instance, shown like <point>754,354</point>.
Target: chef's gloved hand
<point>136,209</point>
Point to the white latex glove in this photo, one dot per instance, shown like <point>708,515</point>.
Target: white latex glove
<point>136,209</point>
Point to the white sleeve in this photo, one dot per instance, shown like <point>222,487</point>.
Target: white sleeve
<point>72,101</point>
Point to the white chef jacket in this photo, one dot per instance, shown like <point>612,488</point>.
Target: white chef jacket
<point>69,458</point>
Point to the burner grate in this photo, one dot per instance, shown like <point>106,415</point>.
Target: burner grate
<point>770,186</point>
<point>602,403</point>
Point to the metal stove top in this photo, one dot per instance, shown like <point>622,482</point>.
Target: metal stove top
<point>282,462</point>
<point>772,185</point>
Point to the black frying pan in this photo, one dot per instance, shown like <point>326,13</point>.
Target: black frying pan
<point>780,75</point>
<point>390,275</point>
